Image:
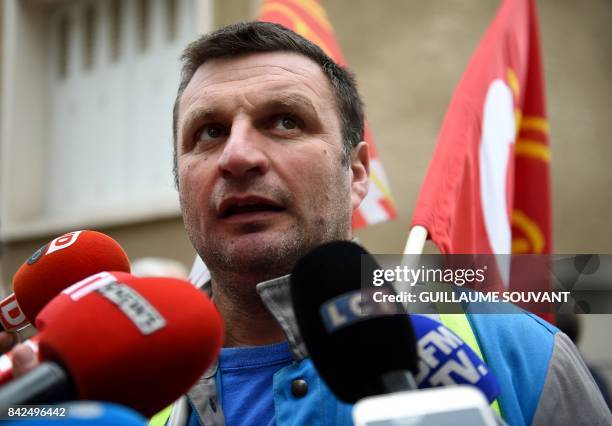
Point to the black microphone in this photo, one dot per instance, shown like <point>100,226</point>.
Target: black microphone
<point>48,383</point>
<point>359,348</point>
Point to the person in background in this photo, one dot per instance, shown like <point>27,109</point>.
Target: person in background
<point>570,324</point>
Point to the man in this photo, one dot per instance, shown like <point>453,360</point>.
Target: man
<point>269,163</point>
<point>262,170</point>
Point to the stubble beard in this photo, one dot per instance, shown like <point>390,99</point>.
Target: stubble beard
<point>236,263</point>
<point>264,261</point>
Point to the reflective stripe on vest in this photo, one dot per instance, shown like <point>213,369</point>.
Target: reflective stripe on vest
<point>162,417</point>
<point>459,324</point>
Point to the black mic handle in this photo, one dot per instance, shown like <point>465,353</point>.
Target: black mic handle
<point>398,381</point>
<point>47,383</point>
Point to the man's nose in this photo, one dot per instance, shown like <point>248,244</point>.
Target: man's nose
<point>244,152</point>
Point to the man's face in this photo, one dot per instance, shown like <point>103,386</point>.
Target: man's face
<point>259,153</point>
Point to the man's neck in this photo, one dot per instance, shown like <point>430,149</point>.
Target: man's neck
<point>247,321</point>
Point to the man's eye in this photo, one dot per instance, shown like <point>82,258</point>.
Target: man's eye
<point>286,122</point>
<point>212,131</point>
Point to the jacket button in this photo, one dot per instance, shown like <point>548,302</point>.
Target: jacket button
<point>299,388</point>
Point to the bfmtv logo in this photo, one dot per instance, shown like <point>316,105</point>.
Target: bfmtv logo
<point>59,243</point>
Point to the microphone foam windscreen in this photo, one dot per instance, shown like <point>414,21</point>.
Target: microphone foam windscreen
<point>62,262</point>
<point>355,351</point>
<point>141,342</point>
<point>54,308</point>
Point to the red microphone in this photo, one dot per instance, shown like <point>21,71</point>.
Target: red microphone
<point>54,309</point>
<point>58,264</point>
<point>140,342</point>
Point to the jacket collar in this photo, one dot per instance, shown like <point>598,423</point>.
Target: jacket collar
<point>276,296</point>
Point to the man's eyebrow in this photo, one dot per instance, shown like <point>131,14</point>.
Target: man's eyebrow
<point>291,100</point>
<point>197,115</point>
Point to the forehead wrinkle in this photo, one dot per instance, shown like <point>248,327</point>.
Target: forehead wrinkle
<point>297,70</point>
<point>206,104</point>
<point>272,82</point>
<point>223,70</point>
<point>211,74</point>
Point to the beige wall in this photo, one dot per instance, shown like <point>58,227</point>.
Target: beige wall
<point>408,56</point>
<point>162,238</point>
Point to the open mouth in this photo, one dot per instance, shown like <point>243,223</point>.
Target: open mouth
<point>250,208</point>
<point>235,206</point>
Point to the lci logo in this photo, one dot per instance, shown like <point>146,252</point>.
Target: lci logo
<point>59,243</point>
<point>355,306</point>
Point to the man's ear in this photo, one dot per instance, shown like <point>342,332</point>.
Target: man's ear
<point>360,173</point>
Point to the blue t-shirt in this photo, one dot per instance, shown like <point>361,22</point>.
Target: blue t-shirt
<point>244,382</point>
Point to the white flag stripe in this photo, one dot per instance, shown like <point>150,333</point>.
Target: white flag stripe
<point>371,207</point>
<point>379,178</point>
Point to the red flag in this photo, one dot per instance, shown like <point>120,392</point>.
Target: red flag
<point>308,19</point>
<point>487,189</point>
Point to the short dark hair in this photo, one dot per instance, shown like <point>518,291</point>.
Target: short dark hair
<point>243,38</point>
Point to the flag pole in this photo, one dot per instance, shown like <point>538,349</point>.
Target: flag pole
<point>416,240</point>
<point>412,251</point>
